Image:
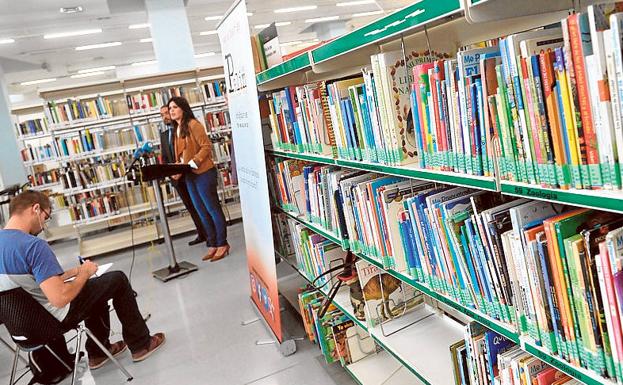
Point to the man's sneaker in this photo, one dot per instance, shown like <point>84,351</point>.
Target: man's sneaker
<point>115,349</point>
<point>155,342</point>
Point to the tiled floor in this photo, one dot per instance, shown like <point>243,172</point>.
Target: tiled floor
<point>201,315</point>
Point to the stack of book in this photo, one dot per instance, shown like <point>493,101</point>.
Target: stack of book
<point>32,127</point>
<point>91,172</point>
<point>39,153</point>
<point>44,177</point>
<point>487,358</point>
<point>221,150</point>
<point>300,120</point>
<point>338,337</point>
<point>214,90</point>
<point>149,101</point>
<point>75,109</point>
<point>216,121</point>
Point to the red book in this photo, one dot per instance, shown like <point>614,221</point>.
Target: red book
<point>578,30</point>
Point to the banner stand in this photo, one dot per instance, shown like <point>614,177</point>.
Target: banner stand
<point>287,347</point>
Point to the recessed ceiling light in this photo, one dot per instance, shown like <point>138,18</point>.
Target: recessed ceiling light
<point>296,9</point>
<point>144,63</point>
<point>86,75</point>
<point>32,82</point>
<point>98,69</point>
<point>322,19</point>
<point>101,45</point>
<point>207,33</point>
<point>205,54</point>
<point>138,26</point>
<point>212,18</point>
<point>7,41</point>
<point>75,9</point>
<point>371,13</point>
<point>147,40</point>
<point>355,2</point>
<point>72,33</point>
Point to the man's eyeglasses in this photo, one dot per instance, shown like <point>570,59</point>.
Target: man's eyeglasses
<point>48,214</point>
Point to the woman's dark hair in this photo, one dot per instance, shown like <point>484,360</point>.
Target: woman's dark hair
<point>187,115</point>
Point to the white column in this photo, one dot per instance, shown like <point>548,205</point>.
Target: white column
<point>12,169</point>
<point>171,35</point>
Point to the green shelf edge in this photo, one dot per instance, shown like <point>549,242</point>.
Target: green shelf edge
<point>352,375</point>
<point>388,26</point>
<point>406,365</point>
<point>314,228</point>
<point>287,67</point>
<point>447,178</point>
<point>306,157</point>
<point>562,196</point>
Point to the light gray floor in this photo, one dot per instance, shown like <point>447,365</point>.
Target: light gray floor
<point>201,316</point>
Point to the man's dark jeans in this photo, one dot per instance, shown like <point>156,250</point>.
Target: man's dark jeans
<point>91,306</point>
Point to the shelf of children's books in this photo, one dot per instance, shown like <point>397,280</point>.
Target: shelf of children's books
<point>416,15</point>
<point>380,368</point>
<point>280,71</point>
<point>580,374</point>
<point>315,228</point>
<point>304,156</point>
<point>422,344</point>
<point>606,200</point>
<point>480,182</point>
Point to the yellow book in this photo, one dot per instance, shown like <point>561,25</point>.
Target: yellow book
<point>570,126</point>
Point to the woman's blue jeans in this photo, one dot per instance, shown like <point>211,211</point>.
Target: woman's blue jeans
<point>203,193</point>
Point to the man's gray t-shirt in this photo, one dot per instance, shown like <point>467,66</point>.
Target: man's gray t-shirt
<point>26,261</point>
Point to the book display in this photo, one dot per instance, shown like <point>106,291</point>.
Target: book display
<point>472,153</point>
<point>78,145</point>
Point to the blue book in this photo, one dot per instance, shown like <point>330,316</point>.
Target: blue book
<point>306,171</point>
<point>292,115</point>
<point>346,124</point>
<point>478,260</point>
<point>495,344</point>
<point>469,263</point>
<point>406,233</point>
<point>417,128</point>
<point>550,291</point>
<point>350,113</point>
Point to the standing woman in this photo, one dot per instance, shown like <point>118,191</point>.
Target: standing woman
<point>193,147</point>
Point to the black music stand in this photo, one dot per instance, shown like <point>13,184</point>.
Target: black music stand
<point>154,173</point>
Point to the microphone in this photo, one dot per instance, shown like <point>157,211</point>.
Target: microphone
<point>146,148</point>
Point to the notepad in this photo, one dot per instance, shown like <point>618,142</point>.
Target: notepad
<point>100,271</point>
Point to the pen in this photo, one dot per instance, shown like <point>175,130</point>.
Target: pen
<point>80,260</point>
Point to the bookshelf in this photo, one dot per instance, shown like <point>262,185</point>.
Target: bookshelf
<point>86,137</point>
<point>444,27</point>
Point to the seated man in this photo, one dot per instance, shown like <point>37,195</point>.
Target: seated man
<point>28,262</point>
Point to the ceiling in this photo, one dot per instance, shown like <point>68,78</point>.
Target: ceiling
<point>31,57</point>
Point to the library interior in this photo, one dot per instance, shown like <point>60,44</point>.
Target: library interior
<point>372,192</point>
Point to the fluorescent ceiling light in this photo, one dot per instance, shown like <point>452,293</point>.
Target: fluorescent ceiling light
<point>207,33</point>
<point>321,19</point>
<point>278,24</point>
<point>371,13</point>
<point>71,9</point>
<point>144,63</point>
<point>147,40</point>
<point>138,26</point>
<point>356,2</point>
<point>249,14</point>
<point>7,41</point>
<point>296,9</point>
<point>94,46</point>
<point>212,18</point>
<point>86,75</point>
<point>72,33</point>
<point>98,69</point>
<point>205,54</point>
<point>32,82</point>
